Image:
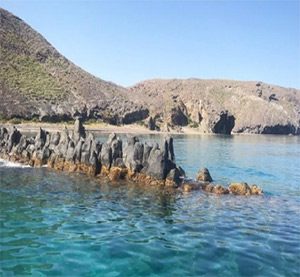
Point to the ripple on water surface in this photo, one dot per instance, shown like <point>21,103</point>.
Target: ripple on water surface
<point>69,225</point>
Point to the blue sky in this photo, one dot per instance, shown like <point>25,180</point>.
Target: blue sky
<point>129,41</point>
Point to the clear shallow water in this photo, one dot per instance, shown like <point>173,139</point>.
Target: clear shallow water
<point>63,224</point>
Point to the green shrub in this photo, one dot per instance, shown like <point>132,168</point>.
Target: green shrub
<point>194,124</point>
<point>142,123</point>
<point>91,121</point>
<point>15,121</point>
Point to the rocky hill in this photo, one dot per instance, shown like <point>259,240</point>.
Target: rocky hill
<point>38,83</point>
<point>220,106</point>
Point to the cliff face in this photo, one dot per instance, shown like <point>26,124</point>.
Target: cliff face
<point>221,106</point>
<point>37,82</point>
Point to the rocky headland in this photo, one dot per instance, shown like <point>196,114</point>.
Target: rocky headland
<point>79,151</point>
<point>39,84</point>
<point>220,106</point>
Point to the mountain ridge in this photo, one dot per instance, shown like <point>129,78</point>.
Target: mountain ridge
<point>211,80</point>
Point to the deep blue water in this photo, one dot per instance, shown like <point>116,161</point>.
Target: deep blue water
<point>60,224</point>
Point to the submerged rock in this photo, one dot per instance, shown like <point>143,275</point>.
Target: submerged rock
<point>190,186</point>
<point>239,188</point>
<point>218,189</point>
<point>117,174</point>
<point>256,190</point>
<point>244,189</point>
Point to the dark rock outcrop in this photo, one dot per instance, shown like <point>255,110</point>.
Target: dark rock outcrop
<point>174,177</point>
<point>281,130</point>
<point>178,116</point>
<point>225,124</point>
<point>13,139</point>
<point>204,175</point>
<point>106,155</point>
<point>156,164</point>
<point>79,130</point>
<point>151,124</point>
<point>40,139</point>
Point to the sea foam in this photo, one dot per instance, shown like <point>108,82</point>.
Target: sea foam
<point>4,163</point>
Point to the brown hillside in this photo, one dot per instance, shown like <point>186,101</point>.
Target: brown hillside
<point>220,106</point>
<point>38,82</point>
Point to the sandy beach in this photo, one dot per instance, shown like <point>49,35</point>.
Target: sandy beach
<point>97,127</point>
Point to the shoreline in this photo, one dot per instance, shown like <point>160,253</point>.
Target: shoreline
<point>105,128</point>
<point>100,128</point>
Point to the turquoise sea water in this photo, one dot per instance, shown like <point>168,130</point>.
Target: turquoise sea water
<point>60,224</point>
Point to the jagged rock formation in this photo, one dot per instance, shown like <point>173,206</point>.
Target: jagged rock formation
<point>221,106</point>
<point>37,82</point>
<point>79,151</point>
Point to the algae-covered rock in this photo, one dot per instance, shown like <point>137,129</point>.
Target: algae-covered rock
<point>218,189</point>
<point>204,175</point>
<point>244,189</point>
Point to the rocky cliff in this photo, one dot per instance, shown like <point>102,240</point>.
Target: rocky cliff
<point>38,83</point>
<point>220,106</point>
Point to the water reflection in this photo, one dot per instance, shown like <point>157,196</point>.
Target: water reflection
<point>55,223</point>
